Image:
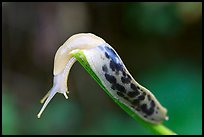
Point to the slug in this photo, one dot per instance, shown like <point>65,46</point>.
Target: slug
<point>110,69</point>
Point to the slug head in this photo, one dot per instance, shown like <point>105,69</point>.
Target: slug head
<point>64,61</point>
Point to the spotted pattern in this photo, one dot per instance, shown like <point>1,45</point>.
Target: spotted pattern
<point>124,87</point>
<point>142,96</point>
<point>118,87</point>
<point>132,94</point>
<point>104,68</point>
<point>106,54</point>
<point>126,80</point>
<point>133,87</point>
<point>146,110</point>
<point>115,66</point>
<point>110,79</point>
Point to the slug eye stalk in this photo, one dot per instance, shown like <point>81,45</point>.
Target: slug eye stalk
<point>104,64</point>
<point>60,85</point>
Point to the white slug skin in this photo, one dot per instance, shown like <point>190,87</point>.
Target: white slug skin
<point>75,42</point>
<point>111,75</point>
<point>110,69</point>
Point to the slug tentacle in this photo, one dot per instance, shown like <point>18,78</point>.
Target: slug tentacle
<point>106,64</point>
<point>60,85</point>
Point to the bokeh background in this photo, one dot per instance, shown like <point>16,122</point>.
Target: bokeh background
<point>160,44</point>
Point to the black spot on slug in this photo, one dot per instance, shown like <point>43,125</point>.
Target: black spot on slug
<point>110,78</point>
<point>152,104</point>
<point>115,63</point>
<point>135,102</point>
<point>133,94</point>
<point>115,66</point>
<point>126,98</point>
<point>137,108</point>
<point>141,97</point>
<point>112,65</point>
<point>104,68</point>
<point>145,116</point>
<point>106,54</point>
<point>119,87</point>
<point>113,87</point>
<point>125,80</point>
<point>149,97</point>
<point>133,87</point>
<point>120,94</point>
<point>124,74</point>
<point>146,110</point>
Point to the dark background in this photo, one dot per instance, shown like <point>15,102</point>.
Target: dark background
<point>160,44</point>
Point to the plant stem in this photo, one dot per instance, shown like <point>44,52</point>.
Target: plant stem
<point>159,129</point>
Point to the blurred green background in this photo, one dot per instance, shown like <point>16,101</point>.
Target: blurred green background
<point>160,44</point>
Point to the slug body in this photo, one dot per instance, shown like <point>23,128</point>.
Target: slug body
<point>109,68</point>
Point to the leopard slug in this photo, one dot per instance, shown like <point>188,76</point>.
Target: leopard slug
<point>110,69</point>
